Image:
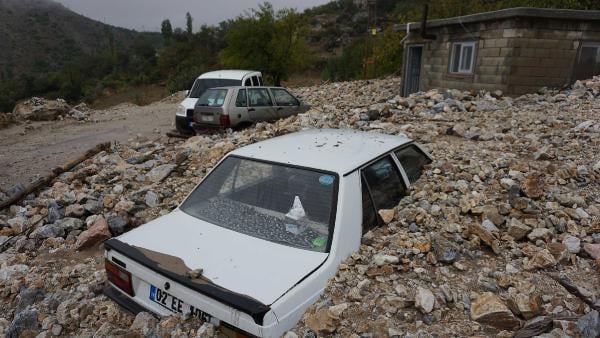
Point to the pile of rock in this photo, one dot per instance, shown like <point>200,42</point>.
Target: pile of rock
<point>500,235</point>
<point>40,109</point>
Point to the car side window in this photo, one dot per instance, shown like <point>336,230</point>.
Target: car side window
<point>260,80</point>
<point>283,97</point>
<point>242,99</point>
<point>255,81</point>
<point>412,160</point>
<point>248,82</point>
<point>385,183</point>
<point>259,97</point>
<point>369,215</point>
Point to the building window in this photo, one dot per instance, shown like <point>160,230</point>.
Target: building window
<point>461,59</point>
<point>590,53</point>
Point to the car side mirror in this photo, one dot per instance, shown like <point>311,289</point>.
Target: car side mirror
<point>187,93</point>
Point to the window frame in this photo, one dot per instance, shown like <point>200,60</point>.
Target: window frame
<point>462,71</point>
<point>236,97</point>
<point>587,44</point>
<point>290,94</point>
<point>408,146</point>
<point>400,168</point>
<point>335,195</point>
<point>268,95</point>
<point>403,177</point>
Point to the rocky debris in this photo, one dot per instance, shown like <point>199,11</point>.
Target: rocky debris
<point>116,224</point>
<point>589,324</point>
<point>489,309</point>
<point>592,249</point>
<point>517,230</point>
<point>387,215</point>
<point>80,112</point>
<point>479,235</point>
<point>158,174</point>
<point>39,109</point>
<point>144,323</point>
<point>424,300</point>
<point>98,231</point>
<point>25,322</point>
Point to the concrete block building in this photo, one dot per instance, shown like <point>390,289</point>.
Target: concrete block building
<point>516,50</point>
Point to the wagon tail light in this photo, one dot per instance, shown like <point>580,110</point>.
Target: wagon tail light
<point>119,277</point>
<point>224,121</point>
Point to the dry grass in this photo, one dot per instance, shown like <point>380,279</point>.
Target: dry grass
<point>141,96</point>
<point>6,120</point>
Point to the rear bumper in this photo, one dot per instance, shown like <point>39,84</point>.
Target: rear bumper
<point>182,123</point>
<point>124,301</point>
<point>197,125</point>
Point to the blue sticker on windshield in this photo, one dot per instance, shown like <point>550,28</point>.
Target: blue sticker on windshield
<point>326,180</point>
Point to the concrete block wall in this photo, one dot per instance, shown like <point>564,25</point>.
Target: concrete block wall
<point>517,55</point>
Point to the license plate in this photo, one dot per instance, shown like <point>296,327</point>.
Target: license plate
<point>207,118</point>
<point>177,305</point>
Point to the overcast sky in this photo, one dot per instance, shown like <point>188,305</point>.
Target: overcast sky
<point>148,14</point>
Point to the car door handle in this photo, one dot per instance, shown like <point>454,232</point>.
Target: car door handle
<point>251,109</point>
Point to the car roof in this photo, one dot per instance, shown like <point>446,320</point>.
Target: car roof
<point>337,150</point>
<point>232,74</point>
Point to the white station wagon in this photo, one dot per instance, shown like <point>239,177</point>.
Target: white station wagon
<point>254,244</point>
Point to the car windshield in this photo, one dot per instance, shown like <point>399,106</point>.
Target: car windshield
<point>278,203</point>
<point>201,85</point>
<point>212,98</point>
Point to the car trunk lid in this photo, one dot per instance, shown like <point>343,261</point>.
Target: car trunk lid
<point>241,264</point>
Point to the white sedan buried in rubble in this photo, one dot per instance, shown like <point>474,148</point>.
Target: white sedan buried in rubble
<point>254,244</point>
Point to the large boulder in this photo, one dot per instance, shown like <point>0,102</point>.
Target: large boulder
<point>38,109</point>
<point>489,309</point>
<point>97,232</point>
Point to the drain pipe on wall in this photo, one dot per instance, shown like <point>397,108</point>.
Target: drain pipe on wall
<point>407,33</point>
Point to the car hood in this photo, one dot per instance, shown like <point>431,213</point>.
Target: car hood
<point>240,263</point>
<point>189,103</point>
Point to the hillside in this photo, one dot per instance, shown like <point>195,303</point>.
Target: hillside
<point>42,35</point>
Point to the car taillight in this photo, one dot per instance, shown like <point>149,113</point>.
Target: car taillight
<point>119,277</point>
<point>224,121</point>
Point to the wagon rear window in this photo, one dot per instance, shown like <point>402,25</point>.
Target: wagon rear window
<point>213,98</point>
<point>281,204</point>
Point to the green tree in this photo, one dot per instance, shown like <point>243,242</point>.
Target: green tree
<point>189,28</point>
<point>166,30</point>
<point>269,41</point>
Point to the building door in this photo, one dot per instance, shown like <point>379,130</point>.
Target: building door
<point>413,69</point>
<point>588,61</point>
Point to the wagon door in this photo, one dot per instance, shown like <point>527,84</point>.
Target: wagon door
<point>260,105</point>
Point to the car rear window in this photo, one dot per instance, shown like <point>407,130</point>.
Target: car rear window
<point>212,98</point>
<point>201,85</point>
<point>385,183</point>
<point>413,160</point>
<point>274,202</point>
